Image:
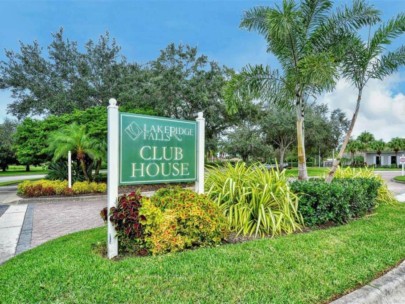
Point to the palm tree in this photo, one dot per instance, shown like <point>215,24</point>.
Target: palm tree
<point>378,146</point>
<point>307,41</point>
<point>100,147</point>
<point>366,138</point>
<point>365,61</point>
<point>74,138</point>
<point>397,144</point>
<point>354,146</point>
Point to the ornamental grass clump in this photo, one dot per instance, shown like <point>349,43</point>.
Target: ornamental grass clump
<point>255,200</point>
<point>384,196</point>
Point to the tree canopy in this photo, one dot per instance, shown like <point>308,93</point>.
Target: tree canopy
<point>62,79</point>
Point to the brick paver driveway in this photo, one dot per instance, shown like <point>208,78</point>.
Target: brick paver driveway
<point>54,219</point>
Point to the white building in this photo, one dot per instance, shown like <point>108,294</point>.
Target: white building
<point>384,159</point>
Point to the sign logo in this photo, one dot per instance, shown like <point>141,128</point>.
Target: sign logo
<point>156,149</point>
<point>158,132</point>
<point>133,131</point>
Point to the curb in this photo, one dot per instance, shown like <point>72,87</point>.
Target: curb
<point>21,200</point>
<point>395,181</point>
<point>388,289</point>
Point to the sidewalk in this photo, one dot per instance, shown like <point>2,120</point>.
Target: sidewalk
<point>11,223</point>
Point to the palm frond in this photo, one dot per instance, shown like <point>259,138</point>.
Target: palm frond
<point>342,23</point>
<point>388,64</point>
<point>256,19</point>
<point>279,26</point>
<point>355,62</point>
<point>314,13</point>
<point>319,70</point>
<point>386,33</point>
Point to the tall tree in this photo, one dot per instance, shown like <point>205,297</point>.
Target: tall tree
<point>277,125</point>
<point>367,60</point>
<point>63,78</point>
<point>180,83</point>
<point>7,154</point>
<point>30,140</point>
<point>246,140</point>
<point>307,41</point>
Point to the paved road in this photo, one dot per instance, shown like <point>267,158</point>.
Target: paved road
<point>397,188</point>
<point>20,177</point>
<point>7,191</point>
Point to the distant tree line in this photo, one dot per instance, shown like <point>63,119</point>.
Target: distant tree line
<point>66,84</point>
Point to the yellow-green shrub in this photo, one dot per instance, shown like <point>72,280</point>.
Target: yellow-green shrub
<point>384,196</point>
<point>175,219</point>
<point>101,188</point>
<point>60,187</point>
<point>41,187</point>
<point>81,187</point>
<point>45,187</point>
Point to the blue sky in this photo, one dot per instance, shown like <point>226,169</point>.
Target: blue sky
<point>143,28</point>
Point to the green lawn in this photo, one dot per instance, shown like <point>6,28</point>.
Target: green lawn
<point>11,183</point>
<point>20,170</point>
<point>312,267</point>
<point>316,171</point>
<point>387,169</point>
<point>312,171</point>
<point>400,178</point>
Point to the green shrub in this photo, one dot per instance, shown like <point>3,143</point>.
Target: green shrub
<point>338,202</point>
<point>384,196</point>
<point>45,187</point>
<point>59,171</point>
<point>255,200</point>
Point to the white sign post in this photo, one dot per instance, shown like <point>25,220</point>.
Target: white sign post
<point>112,174</point>
<point>199,184</point>
<point>70,170</point>
<point>402,161</point>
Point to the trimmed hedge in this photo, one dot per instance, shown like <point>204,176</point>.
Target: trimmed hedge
<point>342,200</point>
<point>45,187</point>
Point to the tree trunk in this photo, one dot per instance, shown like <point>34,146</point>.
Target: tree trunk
<point>245,157</point>
<point>98,167</point>
<point>27,168</point>
<point>83,166</point>
<point>281,160</point>
<point>336,163</point>
<point>302,164</point>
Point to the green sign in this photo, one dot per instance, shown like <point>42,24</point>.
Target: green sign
<point>156,149</point>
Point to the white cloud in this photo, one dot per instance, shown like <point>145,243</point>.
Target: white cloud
<point>382,109</point>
